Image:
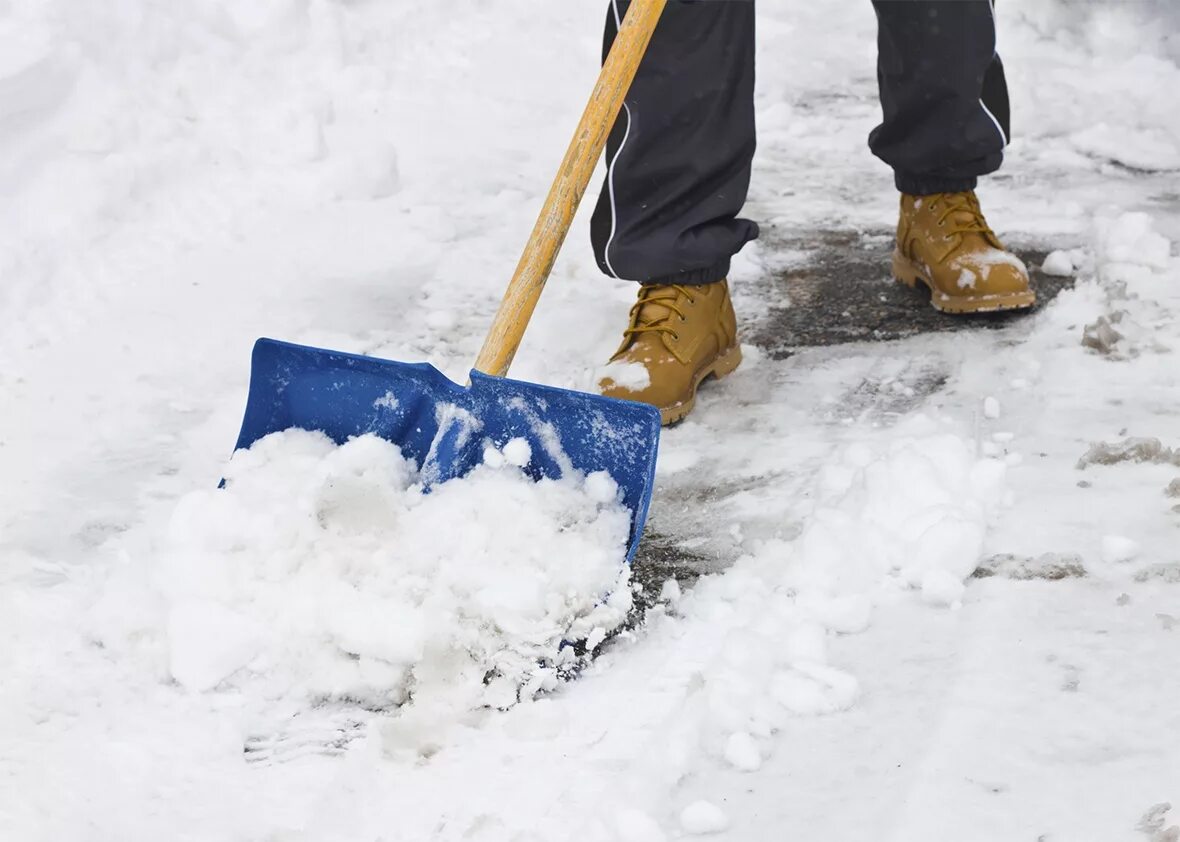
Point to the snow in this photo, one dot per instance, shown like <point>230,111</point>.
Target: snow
<point>324,574</point>
<point>1129,238</point>
<point>700,818</point>
<point>742,752</point>
<point>208,642</point>
<point>1058,263</point>
<point>910,615</point>
<point>1117,549</point>
<point>636,826</point>
<point>670,591</point>
<point>518,452</point>
<point>1147,150</point>
<point>988,258</point>
<point>623,374</point>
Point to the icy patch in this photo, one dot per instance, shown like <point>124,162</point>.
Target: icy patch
<point>325,573</point>
<point>631,376</point>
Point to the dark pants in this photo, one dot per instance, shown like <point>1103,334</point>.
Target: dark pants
<point>679,156</point>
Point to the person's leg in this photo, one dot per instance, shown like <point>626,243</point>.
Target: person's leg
<point>945,107</point>
<point>943,94</point>
<point>679,155</point>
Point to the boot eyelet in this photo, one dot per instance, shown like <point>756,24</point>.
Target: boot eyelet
<point>682,319</point>
<point>675,337</point>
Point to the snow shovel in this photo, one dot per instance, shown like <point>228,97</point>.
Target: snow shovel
<point>444,426</point>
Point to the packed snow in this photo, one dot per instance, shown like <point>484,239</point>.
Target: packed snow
<point>625,375</point>
<point>914,590</point>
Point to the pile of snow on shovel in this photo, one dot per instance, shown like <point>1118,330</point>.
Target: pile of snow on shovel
<point>324,573</point>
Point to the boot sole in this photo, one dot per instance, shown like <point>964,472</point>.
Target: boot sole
<point>722,366</point>
<point>909,273</point>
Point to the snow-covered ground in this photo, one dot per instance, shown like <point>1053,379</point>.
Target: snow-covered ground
<point>944,596</point>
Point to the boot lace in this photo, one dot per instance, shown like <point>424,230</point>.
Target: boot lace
<point>961,214</point>
<point>666,296</point>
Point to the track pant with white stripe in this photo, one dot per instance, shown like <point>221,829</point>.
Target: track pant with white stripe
<point>678,158</point>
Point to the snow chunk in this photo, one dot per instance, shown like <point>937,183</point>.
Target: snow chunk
<point>493,458</point>
<point>991,407</point>
<point>1101,336</point>
<point>1117,549</point>
<point>601,487</point>
<point>518,452</point>
<point>1058,263</point>
<point>941,588</point>
<point>622,374</point>
<point>1131,238</point>
<point>742,752</point>
<point>702,817</point>
<point>637,826</point>
<point>811,689</point>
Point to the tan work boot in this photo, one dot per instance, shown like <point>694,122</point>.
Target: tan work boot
<point>678,336</point>
<point>944,242</point>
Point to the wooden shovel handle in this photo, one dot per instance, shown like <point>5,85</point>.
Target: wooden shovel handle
<point>553,224</point>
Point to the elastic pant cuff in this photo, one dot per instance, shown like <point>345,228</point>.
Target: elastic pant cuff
<point>925,185</point>
<point>695,277</point>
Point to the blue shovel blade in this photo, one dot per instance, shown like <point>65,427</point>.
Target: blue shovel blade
<point>444,427</point>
